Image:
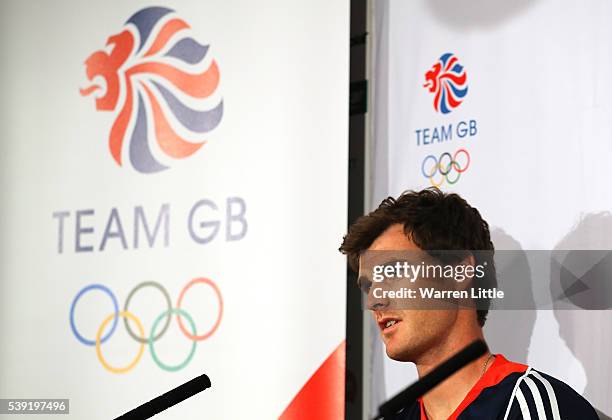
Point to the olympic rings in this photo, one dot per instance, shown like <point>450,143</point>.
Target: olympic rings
<point>140,336</point>
<point>445,168</point>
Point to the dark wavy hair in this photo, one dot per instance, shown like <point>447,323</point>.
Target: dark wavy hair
<point>434,221</point>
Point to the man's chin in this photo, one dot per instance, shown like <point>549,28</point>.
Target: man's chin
<point>399,355</point>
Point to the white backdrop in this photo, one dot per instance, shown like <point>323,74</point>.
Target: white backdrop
<point>273,175</point>
<point>534,113</point>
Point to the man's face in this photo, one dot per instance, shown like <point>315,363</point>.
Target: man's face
<point>415,332</point>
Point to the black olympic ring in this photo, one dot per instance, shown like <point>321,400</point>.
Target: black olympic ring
<point>169,311</point>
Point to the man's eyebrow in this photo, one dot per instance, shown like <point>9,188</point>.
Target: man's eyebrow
<point>393,261</point>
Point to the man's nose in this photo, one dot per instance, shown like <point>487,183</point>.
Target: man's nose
<point>376,299</point>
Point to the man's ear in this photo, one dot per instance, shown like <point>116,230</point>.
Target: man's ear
<point>468,261</point>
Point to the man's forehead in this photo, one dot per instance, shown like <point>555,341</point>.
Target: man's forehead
<point>393,239</point>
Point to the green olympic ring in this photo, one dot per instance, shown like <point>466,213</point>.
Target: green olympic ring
<point>159,363</point>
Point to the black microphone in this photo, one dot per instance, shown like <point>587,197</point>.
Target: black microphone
<point>170,398</point>
<point>428,382</point>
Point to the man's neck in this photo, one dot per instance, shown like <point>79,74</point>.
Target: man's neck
<point>442,401</point>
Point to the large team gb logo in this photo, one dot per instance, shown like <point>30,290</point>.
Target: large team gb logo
<point>161,84</point>
<point>447,79</point>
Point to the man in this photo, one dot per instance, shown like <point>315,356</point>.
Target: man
<point>490,387</point>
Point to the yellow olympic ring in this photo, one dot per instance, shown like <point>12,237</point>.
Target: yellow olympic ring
<point>431,180</point>
<point>128,315</point>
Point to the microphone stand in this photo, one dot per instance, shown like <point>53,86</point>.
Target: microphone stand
<point>170,398</point>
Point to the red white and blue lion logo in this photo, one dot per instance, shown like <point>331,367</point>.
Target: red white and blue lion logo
<point>447,79</point>
<point>161,85</point>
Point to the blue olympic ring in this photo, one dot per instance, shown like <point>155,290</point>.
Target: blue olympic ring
<point>115,318</point>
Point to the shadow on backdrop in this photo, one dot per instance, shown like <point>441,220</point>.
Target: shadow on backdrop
<point>509,331</point>
<point>587,333</point>
<point>468,14</point>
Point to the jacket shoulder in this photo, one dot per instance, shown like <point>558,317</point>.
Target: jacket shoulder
<point>539,395</point>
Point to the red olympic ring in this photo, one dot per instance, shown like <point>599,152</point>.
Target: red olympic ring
<point>220,314</point>
<point>456,165</point>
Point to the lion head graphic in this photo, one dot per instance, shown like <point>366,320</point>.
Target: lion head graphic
<point>159,82</point>
<point>447,79</point>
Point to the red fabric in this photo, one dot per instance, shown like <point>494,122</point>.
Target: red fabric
<point>500,368</point>
<point>322,397</point>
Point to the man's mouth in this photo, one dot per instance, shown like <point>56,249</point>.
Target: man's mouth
<point>388,324</point>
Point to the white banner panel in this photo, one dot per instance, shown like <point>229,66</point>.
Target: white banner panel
<point>174,181</point>
<point>508,104</point>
